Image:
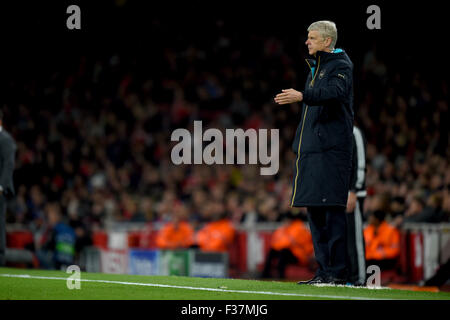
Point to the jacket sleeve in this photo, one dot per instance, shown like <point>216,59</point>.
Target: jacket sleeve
<point>7,153</point>
<point>386,245</point>
<point>188,236</point>
<point>392,248</point>
<point>215,238</point>
<point>280,238</point>
<point>302,245</point>
<point>337,87</point>
<point>161,238</point>
<point>354,167</point>
<point>202,237</point>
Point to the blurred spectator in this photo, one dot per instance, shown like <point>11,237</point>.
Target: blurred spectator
<point>418,210</point>
<point>177,233</point>
<point>250,216</point>
<point>397,207</point>
<point>446,205</point>
<point>56,248</point>
<point>217,234</point>
<point>382,242</point>
<point>416,207</point>
<point>82,232</point>
<point>291,243</point>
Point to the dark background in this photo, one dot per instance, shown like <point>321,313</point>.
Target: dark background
<point>35,38</point>
<point>36,31</point>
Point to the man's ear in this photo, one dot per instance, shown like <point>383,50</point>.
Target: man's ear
<point>327,42</point>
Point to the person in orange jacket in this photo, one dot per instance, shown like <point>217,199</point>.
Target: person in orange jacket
<point>382,242</point>
<point>218,234</point>
<point>291,243</point>
<point>176,234</point>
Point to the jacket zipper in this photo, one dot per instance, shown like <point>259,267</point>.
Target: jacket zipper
<point>311,84</point>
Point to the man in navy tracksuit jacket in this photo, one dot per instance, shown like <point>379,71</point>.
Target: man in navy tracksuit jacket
<point>323,145</point>
<point>355,216</point>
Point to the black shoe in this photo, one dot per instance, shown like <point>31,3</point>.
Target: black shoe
<point>336,281</point>
<point>315,280</point>
<point>358,284</point>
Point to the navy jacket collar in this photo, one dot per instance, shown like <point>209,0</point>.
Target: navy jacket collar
<point>325,56</point>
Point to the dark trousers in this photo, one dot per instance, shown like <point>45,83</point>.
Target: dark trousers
<point>328,227</point>
<point>283,258</point>
<point>2,230</point>
<point>356,244</point>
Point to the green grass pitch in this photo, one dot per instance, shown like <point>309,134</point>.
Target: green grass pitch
<point>23,284</point>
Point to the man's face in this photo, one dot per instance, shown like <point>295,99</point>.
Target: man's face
<point>316,43</point>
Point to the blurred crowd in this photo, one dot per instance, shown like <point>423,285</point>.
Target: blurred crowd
<point>405,118</point>
<point>94,136</point>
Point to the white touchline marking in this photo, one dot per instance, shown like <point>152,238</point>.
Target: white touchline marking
<point>350,286</point>
<point>27,276</point>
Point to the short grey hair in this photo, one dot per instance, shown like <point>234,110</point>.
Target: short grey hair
<point>327,29</point>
